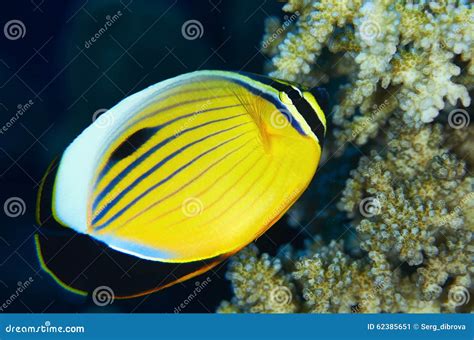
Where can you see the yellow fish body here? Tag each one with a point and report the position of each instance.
(180, 175)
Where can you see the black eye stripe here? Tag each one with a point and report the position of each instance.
(310, 116)
(293, 94)
(301, 104)
(305, 109)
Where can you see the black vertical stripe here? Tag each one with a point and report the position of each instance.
(309, 114)
(301, 104)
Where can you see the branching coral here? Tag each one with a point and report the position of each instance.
(407, 244)
(417, 182)
(401, 51)
(333, 282)
(259, 285)
(422, 203)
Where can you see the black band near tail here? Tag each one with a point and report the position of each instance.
(82, 264)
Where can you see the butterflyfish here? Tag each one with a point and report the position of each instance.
(176, 178)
